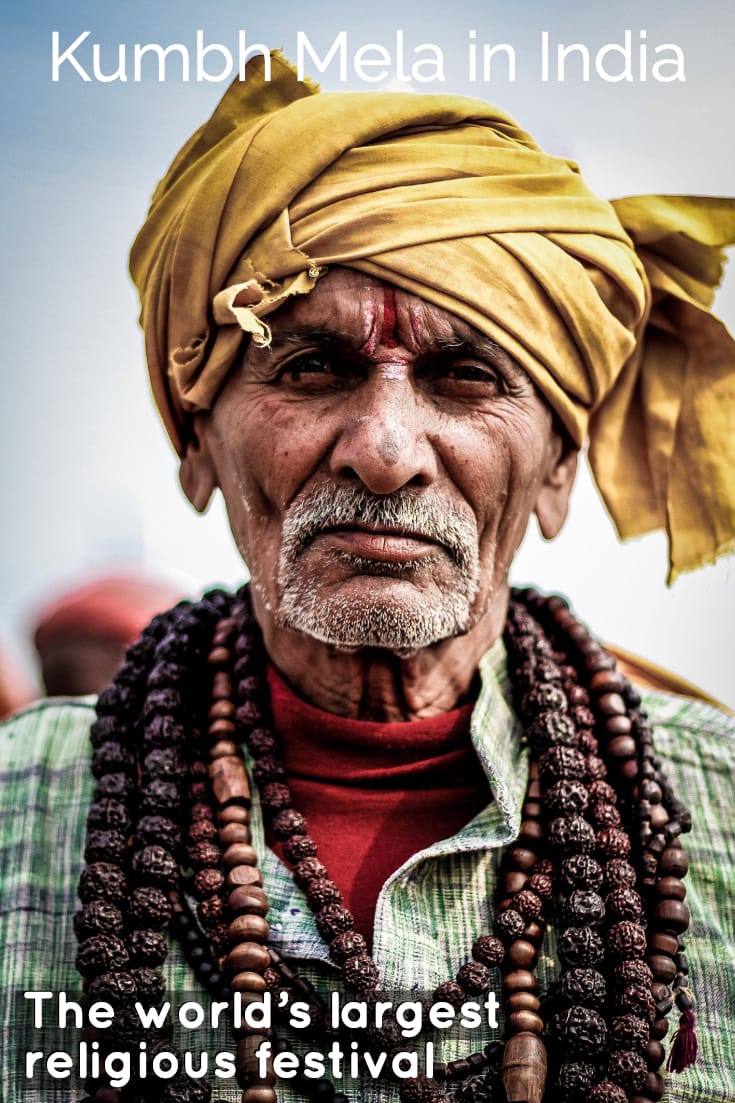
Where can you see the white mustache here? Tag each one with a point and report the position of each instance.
(423, 515)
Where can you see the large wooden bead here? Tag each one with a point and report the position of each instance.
(244, 875)
(673, 915)
(525, 1020)
(248, 956)
(660, 1029)
(520, 980)
(234, 833)
(531, 831)
(674, 862)
(523, 1001)
(595, 658)
(512, 882)
(524, 1068)
(534, 932)
(650, 790)
(521, 857)
(224, 748)
(219, 656)
(222, 710)
(259, 1095)
(662, 967)
(659, 817)
(654, 1054)
(246, 928)
(229, 780)
(222, 729)
(248, 981)
(522, 954)
(618, 725)
(248, 900)
(224, 631)
(233, 813)
(611, 704)
(664, 943)
(622, 747)
(629, 769)
(240, 854)
(653, 1086)
(671, 887)
(607, 681)
(221, 685)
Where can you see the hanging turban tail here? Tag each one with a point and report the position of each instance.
(605, 305)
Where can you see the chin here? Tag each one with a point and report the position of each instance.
(389, 615)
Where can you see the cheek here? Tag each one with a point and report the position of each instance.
(496, 462)
(266, 449)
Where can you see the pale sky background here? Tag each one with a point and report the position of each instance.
(88, 478)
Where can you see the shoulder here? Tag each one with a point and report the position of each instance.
(693, 735)
(695, 743)
(53, 728)
(648, 675)
(45, 792)
(45, 780)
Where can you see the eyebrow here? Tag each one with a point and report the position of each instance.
(482, 347)
(327, 336)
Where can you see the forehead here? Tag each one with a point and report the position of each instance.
(358, 307)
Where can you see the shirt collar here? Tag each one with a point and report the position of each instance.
(497, 738)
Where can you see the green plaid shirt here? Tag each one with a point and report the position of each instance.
(428, 912)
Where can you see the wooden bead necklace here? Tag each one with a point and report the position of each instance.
(595, 831)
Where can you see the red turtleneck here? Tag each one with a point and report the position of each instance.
(374, 794)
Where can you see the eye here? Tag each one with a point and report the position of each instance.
(473, 373)
(319, 371)
(465, 377)
(305, 366)
(308, 373)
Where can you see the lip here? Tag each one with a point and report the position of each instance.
(380, 544)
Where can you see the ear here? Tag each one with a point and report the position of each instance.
(552, 503)
(197, 471)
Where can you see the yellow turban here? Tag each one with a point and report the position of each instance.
(604, 304)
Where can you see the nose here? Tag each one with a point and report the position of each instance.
(383, 441)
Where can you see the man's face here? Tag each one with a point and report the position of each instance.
(379, 462)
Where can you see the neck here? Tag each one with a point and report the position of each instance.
(371, 684)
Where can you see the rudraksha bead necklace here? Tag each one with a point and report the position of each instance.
(616, 872)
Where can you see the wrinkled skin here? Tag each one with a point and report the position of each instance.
(368, 387)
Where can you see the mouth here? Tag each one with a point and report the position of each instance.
(379, 542)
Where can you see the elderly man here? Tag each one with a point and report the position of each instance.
(376, 787)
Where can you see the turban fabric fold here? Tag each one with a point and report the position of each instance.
(605, 305)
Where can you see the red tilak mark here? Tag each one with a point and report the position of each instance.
(389, 334)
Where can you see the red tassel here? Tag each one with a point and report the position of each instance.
(684, 1045)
